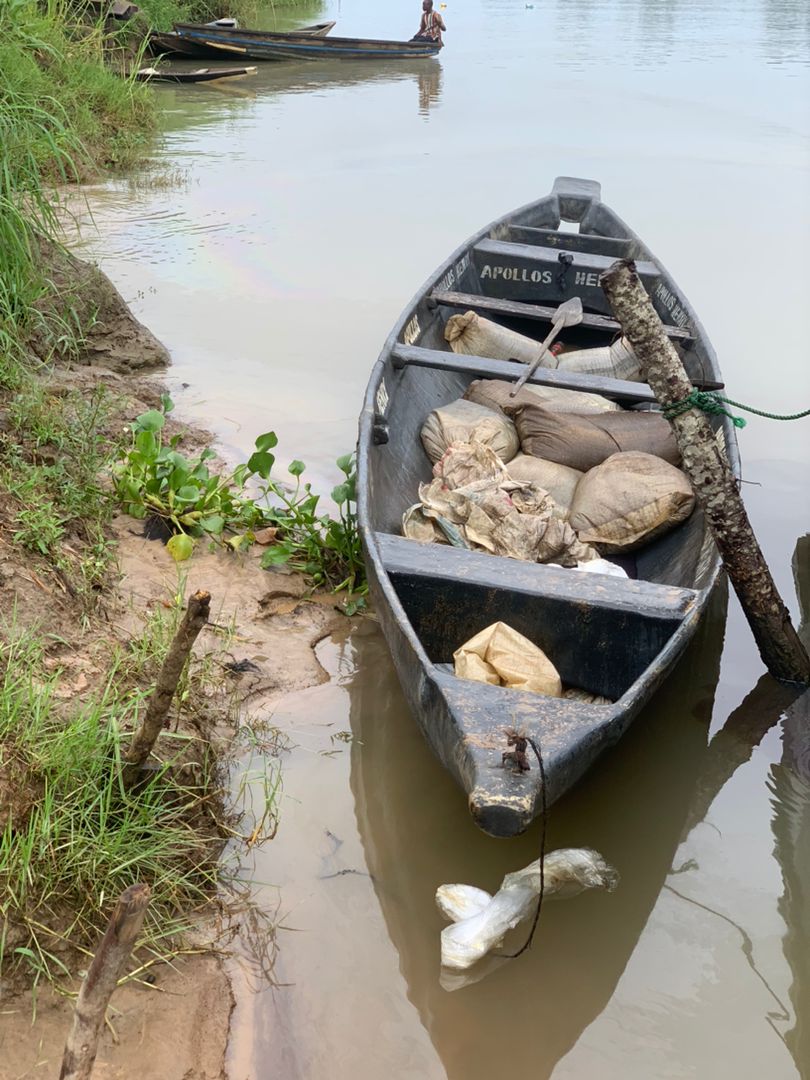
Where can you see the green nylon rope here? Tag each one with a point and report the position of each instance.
(714, 403)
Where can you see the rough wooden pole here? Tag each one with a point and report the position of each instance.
(195, 618)
(714, 484)
(100, 981)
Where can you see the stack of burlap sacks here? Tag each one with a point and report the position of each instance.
(549, 475)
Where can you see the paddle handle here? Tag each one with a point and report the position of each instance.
(535, 364)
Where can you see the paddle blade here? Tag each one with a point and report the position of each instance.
(569, 313)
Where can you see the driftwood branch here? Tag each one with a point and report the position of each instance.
(100, 981)
(714, 484)
(195, 618)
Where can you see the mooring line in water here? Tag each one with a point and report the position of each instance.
(748, 953)
(543, 822)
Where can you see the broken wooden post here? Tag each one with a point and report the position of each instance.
(714, 484)
(100, 981)
(195, 618)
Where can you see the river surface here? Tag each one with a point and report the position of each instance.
(287, 222)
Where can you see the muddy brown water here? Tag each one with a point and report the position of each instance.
(311, 203)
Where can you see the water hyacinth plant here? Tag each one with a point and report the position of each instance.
(191, 500)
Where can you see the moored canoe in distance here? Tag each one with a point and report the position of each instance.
(263, 45)
(201, 75)
(161, 43)
(615, 637)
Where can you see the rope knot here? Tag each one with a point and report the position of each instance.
(708, 402)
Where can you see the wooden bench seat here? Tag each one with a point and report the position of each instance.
(408, 559)
(493, 305)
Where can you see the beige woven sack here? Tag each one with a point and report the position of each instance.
(472, 335)
(496, 394)
(558, 480)
(465, 422)
(628, 500)
(501, 656)
(616, 361)
(583, 441)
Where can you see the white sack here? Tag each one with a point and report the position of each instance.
(567, 872)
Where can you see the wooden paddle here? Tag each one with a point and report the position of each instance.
(567, 314)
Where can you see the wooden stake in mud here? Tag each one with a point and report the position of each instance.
(712, 480)
(145, 737)
(100, 981)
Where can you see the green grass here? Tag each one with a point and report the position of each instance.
(72, 838)
(52, 455)
(161, 14)
(65, 858)
(63, 114)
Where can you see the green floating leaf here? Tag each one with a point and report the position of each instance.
(188, 493)
(345, 462)
(276, 556)
(340, 494)
(146, 443)
(266, 441)
(180, 547)
(296, 467)
(150, 421)
(261, 462)
(213, 524)
(166, 403)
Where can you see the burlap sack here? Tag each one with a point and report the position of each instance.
(501, 656)
(628, 500)
(473, 503)
(465, 422)
(496, 394)
(472, 335)
(581, 442)
(558, 480)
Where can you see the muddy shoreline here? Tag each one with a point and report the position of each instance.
(175, 1023)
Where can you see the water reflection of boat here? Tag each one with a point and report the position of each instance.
(160, 43)
(617, 639)
(268, 45)
(281, 79)
(525, 1016)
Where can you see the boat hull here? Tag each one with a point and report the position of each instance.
(614, 637)
(162, 44)
(258, 45)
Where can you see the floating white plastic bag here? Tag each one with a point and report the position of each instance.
(481, 920)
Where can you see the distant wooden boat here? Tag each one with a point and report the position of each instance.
(617, 638)
(161, 43)
(201, 75)
(264, 45)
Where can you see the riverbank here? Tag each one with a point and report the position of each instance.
(90, 607)
(93, 645)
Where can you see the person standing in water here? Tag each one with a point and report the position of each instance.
(431, 26)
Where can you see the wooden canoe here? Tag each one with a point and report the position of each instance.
(614, 637)
(161, 43)
(263, 45)
(201, 75)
